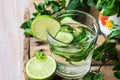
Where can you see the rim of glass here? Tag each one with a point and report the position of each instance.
(95, 25)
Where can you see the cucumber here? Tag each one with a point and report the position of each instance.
(64, 37)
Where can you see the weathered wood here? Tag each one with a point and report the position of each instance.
(26, 55)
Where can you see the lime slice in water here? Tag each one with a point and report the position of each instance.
(40, 69)
(40, 24)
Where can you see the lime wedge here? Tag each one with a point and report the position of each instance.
(41, 68)
(64, 37)
(43, 22)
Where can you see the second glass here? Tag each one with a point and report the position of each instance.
(73, 58)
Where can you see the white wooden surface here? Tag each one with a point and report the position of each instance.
(11, 39)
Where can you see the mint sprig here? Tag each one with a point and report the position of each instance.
(40, 55)
(107, 51)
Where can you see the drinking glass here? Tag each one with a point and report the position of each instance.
(74, 59)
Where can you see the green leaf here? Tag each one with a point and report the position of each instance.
(117, 75)
(39, 54)
(111, 50)
(91, 2)
(118, 14)
(41, 6)
(89, 76)
(35, 14)
(46, 2)
(45, 12)
(110, 4)
(116, 67)
(26, 24)
(102, 58)
(55, 6)
(100, 4)
(93, 76)
(114, 34)
(109, 12)
(98, 52)
(78, 5)
(27, 32)
(63, 3)
(98, 76)
(36, 7)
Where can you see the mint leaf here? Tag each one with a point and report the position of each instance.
(39, 54)
(26, 26)
(111, 51)
(116, 67)
(41, 6)
(117, 75)
(109, 12)
(55, 6)
(93, 76)
(63, 3)
(98, 76)
(98, 52)
(36, 7)
(46, 2)
(91, 2)
(41, 10)
(27, 32)
(78, 5)
(114, 34)
(89, 76)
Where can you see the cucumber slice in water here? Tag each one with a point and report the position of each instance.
(64, 37)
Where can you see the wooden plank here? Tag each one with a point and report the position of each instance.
(26, 55)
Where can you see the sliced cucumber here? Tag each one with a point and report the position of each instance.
(68, 20)
(64, 37)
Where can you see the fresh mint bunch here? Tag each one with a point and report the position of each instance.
(109, 7)
(106, 52)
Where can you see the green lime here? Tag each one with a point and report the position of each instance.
(41, 68)
(43, 22)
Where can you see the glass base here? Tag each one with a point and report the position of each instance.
(73, 71)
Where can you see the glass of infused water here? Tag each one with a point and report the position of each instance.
(73, 45)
